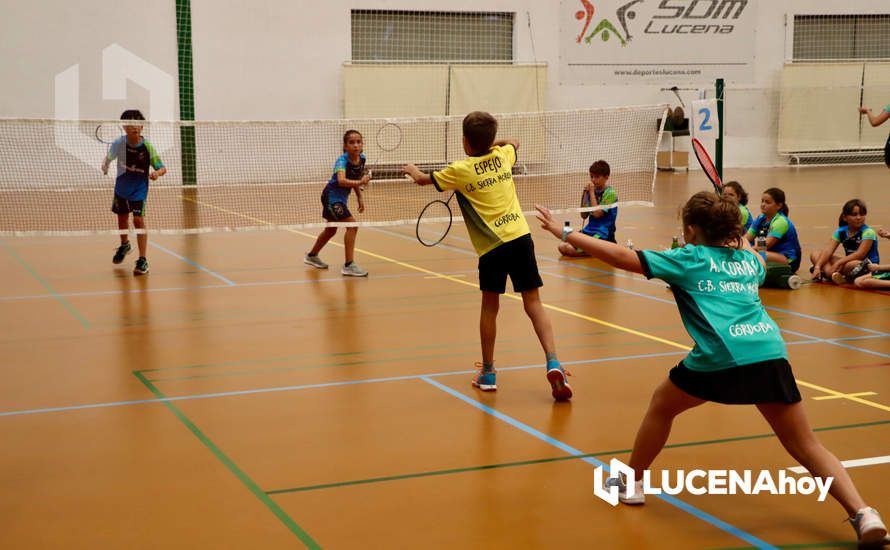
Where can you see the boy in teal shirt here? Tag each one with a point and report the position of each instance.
(134, 157)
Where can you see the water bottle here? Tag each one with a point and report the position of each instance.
(675, 242)
(629, 244)
(760, 242)
(566, 229)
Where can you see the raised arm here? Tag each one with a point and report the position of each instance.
(609, 252)
(502, 142)
(415, 174)
(875, 119)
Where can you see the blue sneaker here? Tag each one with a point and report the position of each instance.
(485, 380)
(556, 375)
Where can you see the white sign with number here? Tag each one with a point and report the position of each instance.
(704, 120)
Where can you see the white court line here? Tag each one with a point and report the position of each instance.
(850, 463)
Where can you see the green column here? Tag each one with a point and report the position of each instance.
(719, 147)
(186, 90)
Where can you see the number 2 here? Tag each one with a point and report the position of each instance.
(706, 118)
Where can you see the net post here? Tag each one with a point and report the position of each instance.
(719, 145)
(186, 91)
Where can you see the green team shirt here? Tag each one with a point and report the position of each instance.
(716, 289)
(487, 197)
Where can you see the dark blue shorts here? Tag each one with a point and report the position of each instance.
(333, 211)
(120, 205)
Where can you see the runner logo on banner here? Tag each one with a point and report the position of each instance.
(647, 41)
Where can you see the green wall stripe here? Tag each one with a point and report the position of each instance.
(186, 90)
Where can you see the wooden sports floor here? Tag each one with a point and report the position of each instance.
(236, 398)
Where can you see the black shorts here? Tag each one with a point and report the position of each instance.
(333, 211)
(120, 205)
(515, 258)
(764, 382)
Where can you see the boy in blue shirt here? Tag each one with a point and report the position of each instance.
(600, 223)
(135, 156)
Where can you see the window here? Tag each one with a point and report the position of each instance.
(431, 36)
(841, 37)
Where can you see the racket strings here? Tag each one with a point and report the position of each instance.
(434, 223)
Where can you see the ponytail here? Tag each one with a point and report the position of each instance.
(716, 217)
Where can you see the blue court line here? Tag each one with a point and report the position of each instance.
(623, 275)
(609, 287)
(771, 308)
(813, 339)
(838, 323)
(670, 499)
(323, 385)
(870, 337)
(194, 264)
(52, 292)
(835, 342)
(205, 287)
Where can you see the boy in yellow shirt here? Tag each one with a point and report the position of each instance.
(500, 234)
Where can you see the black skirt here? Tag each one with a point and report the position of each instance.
(765, 382)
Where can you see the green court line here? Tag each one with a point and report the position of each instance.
(450, 345)
(874, 310)
(371, 361)
(71, 309)
(551, 459)
(232, 467)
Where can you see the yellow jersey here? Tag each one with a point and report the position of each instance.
(487, 197)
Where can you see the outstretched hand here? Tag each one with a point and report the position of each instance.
(547, 222)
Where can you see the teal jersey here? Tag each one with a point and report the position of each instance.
(716, 292)
(747, 218)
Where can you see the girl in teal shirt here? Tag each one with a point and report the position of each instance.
(739, 356)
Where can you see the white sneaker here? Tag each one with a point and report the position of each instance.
(314, 261)
(353, 270)
(869, 528)
(639, 497)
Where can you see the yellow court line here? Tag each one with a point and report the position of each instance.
(843, 395)
(833, 393)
